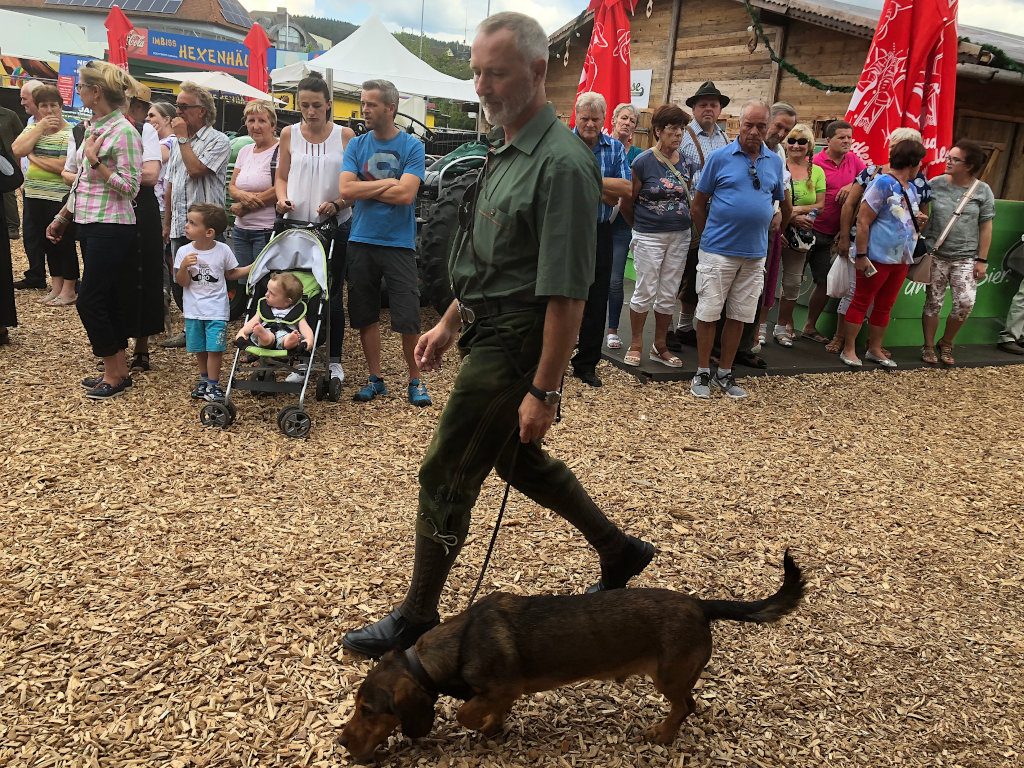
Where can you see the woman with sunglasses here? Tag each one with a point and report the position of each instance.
(100, 206)
(962, 258)
(807, 185)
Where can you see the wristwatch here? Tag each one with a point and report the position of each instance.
(184, 139)
(548, 398)
(95, 165)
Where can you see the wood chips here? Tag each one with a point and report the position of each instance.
(175, 596)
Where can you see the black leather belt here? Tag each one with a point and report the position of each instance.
(471, 312)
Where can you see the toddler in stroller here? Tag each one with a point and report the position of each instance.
(280, 319)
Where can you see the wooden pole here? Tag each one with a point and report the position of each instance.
(780, 48)
(670, 55)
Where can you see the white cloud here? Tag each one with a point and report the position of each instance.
(1002, 15)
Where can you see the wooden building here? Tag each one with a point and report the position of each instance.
(685, 42)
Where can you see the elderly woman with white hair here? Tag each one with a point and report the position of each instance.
(848, 219)
(252, 183)
(624, 121)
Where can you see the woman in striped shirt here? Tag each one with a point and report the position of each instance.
(45, 144)
(100, 204)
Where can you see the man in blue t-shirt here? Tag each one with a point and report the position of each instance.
(380, 175)
(740, 183)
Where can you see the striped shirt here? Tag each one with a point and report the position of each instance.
(213, 149)
(708, 143)
(41, 184)
(120, 148)
(611, 159)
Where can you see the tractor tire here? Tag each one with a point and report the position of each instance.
(436, 238)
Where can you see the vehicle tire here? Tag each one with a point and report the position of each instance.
(435, 243)
(237, 298)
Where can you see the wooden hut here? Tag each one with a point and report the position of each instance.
(685, 42)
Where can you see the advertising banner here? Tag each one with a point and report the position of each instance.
(191, 52)
(67, 79)
(640, 88)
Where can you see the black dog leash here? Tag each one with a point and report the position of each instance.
(497, 523)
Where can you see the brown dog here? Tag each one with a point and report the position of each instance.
(506, 646)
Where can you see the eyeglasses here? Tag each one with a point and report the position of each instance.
(80, 86)
(753, 177)
(183, 107)
(801, 142)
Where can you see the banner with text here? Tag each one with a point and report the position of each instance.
(191, 52)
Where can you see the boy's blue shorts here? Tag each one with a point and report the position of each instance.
(205, 335)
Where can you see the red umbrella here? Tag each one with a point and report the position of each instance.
(606, 68)
(909, 80)
(257, 42)
(118, 27)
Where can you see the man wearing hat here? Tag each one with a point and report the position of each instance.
(701, 137)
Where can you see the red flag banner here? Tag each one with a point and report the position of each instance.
(257, 42)
(118, 27)
(909, 80)
(606, 67)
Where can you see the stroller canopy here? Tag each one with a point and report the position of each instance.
(291, 249)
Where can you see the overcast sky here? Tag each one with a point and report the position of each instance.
(450, 19)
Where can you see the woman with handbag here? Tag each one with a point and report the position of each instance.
(807, 184)
(887, 235)
(959, 234)
(660, 211)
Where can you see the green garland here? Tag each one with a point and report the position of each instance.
(803, 77)
(1000, 59)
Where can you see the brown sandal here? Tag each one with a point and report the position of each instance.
(836, 345)
(945, 353)
(928, 355)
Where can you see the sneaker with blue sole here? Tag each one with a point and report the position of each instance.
(374, 387)
(418, 394)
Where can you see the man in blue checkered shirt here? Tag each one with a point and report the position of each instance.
(616, 183)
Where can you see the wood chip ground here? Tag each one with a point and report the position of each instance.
(174, 596)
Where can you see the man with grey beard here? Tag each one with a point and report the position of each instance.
(521, 268)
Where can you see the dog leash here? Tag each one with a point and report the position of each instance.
(497, 522)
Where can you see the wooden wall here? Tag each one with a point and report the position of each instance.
(831, 57)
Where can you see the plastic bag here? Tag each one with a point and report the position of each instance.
(838, 283)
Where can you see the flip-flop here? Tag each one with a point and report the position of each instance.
(671, 361)
(632, 357)
(814, 336)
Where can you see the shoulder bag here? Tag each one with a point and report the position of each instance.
(921, 271)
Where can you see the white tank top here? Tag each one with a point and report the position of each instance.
(314, 174)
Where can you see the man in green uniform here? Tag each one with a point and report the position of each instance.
(522, 268)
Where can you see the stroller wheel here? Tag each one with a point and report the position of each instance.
(321, 387)
(217, 415)
(334, 389)
(293, 421)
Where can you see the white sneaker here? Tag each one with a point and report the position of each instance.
(337, 372)
(298, 376)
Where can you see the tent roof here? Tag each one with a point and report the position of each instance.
(35, 37)
(373, 47)
(214, 81)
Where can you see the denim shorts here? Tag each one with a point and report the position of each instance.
(205, 335)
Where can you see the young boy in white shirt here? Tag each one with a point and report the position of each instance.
(202, 269)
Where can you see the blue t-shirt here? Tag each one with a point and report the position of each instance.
(663, 204)
(739, 212)
(370, 159)
(892, 235)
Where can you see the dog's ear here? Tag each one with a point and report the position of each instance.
(414, 707)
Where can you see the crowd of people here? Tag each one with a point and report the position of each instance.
(720, 231)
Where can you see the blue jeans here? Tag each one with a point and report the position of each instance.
(622, 234)
(249, 243)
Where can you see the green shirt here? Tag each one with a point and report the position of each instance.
(41, 184)
(535, 224)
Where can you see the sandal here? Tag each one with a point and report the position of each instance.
(928, 355)
(140, 362)
(632, 356)
(613, 341)
(783, 336)
(671, 361)
(836, 345)
(814, 336)
(945, 353)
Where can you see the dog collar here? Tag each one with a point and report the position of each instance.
(419, 674)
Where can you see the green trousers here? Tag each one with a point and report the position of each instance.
(479, 430)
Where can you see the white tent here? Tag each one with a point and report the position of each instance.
(371, 52)
(218, 81)
(33, 37)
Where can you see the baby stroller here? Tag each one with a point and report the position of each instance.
(304, 249)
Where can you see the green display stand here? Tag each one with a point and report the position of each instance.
(994, 293)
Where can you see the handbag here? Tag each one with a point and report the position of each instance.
(799, 240)
(920, 246)
(921, 271)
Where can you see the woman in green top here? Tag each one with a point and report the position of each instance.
(45, 144)
(807, 183)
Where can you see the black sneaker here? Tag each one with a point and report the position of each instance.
(105, 390)
(213, 394)
(33, 285)
(91, 382)
(199, 390)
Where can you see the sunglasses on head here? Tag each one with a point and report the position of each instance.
(801, 142)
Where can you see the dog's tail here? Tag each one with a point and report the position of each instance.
(761, 611)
